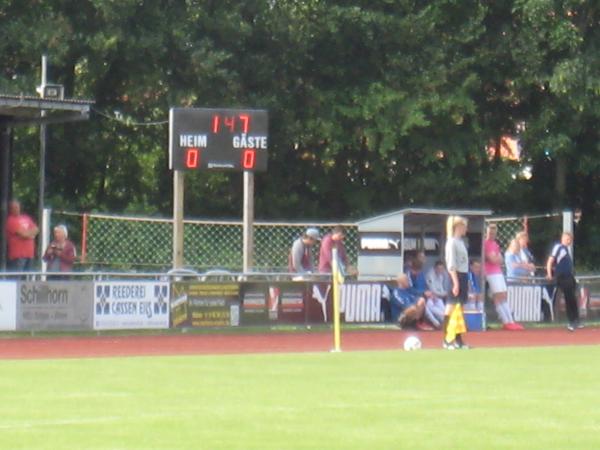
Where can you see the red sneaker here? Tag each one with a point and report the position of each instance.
(518, 326)
(510, 327)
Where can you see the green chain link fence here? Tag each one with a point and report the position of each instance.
(543, 231)
(143, 243)
(138, 243)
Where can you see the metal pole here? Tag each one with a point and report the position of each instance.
(335, 287)
(5, 187)
(178, 193)
(248, 221)
(84, 228)
(42, 174)
(45, 235)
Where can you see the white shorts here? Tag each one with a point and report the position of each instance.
(496, 283)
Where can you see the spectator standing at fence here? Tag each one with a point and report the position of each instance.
(457, 262)
(475, 302)
(515, 266)
(526, 255)
(21, 231)
(495, 279)
(300, 259)
(332, 240)
(60, 254)
(560, 268)
(438, 283)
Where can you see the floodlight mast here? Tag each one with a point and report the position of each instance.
(42, 174)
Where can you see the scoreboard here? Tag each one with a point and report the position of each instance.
(218, 139)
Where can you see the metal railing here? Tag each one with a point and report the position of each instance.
(172, 275)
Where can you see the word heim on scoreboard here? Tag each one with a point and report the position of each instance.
(218, 139)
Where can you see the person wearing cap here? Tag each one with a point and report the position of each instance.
(300, 259)
(60, 254)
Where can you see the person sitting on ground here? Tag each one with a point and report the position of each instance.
(515, 266)
(475, 301)
(407, 308)
(438, 283)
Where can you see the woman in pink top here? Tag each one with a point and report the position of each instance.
(495, 279)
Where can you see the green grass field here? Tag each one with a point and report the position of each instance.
(542, 398)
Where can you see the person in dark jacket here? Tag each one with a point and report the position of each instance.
(61, 253)
(560, 268)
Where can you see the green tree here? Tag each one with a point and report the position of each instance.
(374, 105)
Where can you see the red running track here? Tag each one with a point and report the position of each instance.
(192, 344)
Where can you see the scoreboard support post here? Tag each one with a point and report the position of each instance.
(178, 193)
(248, 220)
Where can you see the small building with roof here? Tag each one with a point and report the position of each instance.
(388, 241)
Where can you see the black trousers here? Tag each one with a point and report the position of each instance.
(567, 284)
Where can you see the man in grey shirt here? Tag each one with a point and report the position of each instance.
(438, 283)
(300, 259)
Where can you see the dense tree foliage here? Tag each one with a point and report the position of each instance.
(374, 105)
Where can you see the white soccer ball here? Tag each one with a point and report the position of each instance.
(412, 343)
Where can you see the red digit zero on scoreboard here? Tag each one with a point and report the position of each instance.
(192, 158)
(218, 139)
(249, 159)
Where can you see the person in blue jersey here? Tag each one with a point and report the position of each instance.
(416, 276)
(406, 305)
(559, 268)
(475, 299)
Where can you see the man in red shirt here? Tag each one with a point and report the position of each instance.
(21, 231)
(331, 240)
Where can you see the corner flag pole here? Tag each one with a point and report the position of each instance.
(337, 280)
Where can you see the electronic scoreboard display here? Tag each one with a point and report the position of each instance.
(218, 139)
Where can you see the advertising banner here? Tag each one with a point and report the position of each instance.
(361, 302)
(290, 299)
(8, 305)
(55, 305)
(254, 304)
(131, 305)
(195, 304)
(525, 302)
